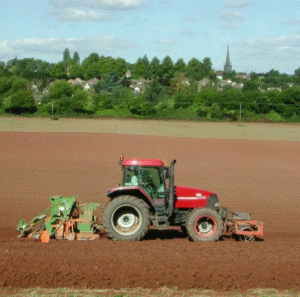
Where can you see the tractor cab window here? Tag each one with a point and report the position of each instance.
(152, 182)
(131, 177)
(149, 178)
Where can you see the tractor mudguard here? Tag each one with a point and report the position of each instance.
(129, 190)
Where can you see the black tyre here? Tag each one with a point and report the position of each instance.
(126, 218)
(204, 224)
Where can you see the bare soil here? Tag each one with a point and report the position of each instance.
(256, 176)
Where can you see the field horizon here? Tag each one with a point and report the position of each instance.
(170, 128)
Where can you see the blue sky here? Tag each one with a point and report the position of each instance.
(262, 34)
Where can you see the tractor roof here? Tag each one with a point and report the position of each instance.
(143, 162)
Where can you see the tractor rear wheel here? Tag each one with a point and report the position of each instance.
(126, 218)
(204, 224)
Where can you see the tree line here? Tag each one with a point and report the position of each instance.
(171, 90)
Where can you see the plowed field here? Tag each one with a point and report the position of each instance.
(255, 176)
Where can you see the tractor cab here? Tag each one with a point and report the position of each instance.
(150, 175)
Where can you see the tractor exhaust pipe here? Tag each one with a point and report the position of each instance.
(171, 189)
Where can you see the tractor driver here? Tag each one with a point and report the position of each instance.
(153, 182)
(132, 176)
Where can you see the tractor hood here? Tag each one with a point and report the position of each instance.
(186, 197)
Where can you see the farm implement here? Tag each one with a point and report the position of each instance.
(65, 219)
(147, 196)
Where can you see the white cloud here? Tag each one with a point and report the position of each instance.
(111, 5)
(136, 21)
(278, 53)
(164, 50)
(51, 26)
(190, 17)
(236, 3)
(55, 46)
(231, 16)
(77, 15)
(264, 43)
(165, 41)
(295, 22)
(3, 45)
(229, 26)
(188, 32)
(165, 45)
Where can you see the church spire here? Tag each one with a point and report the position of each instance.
(228, 65)
(227, 56)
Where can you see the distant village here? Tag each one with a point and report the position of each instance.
(138, 86)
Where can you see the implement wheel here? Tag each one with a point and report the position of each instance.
(126, 218)
(204, 224)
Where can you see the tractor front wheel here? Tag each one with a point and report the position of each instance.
(204, 224)
(126, 218)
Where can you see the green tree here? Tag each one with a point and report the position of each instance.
(94, 57)
(180, 66)
(141, 68)
(12, 62)
(75, 71)
(250, 85)
(5, 85)
(147, 64)
(195, 70)
(107, 83)
(255, 101)
(155, 92)
(290, 96)
(4, 72)
(76, 58)
(297, 72)
(92, 71)
(121, 96)
(207, 95)
(89, 66)
(140, 106)
(273, 78)
(229, 100)
(11, 85)
(79, 99)
(103, 101)
(60, 89)
(22, 102)
(107, 65)
(230, 75)
(26, 68)
(183, 99)
(154, 68)
(60, 94)
(120, 67)
(178, 83)
(59, 71)
(207, 64)
(167, 68)
(66, 55)
(274, 98)
(253, 75)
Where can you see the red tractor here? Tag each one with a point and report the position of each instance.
(148, 196)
